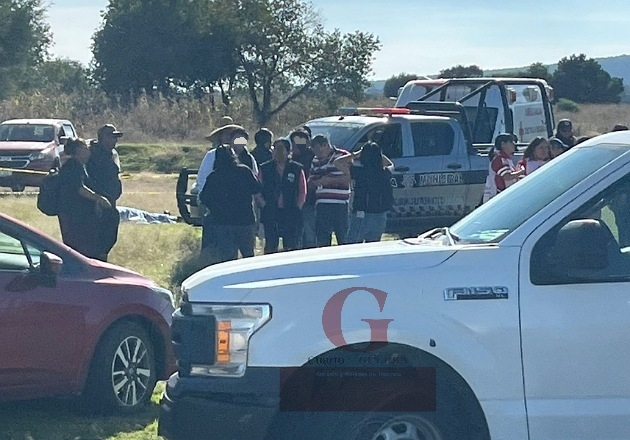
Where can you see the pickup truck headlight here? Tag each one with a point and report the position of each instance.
(233, 327)
(42, 155)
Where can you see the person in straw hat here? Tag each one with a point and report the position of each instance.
(219, 136)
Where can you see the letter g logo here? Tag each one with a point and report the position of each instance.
(331, 319)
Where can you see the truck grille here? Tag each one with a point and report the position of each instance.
(14, 162)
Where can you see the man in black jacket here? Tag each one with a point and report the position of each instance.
(104, 179)
(284, 193)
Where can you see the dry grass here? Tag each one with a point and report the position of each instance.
(593, 119)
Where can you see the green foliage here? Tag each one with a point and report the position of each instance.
(461, 71)
(159, 158)
(566, 105)
(535, 70)
(273, 50)
(583, 80)
(172, 48)
(24, 41)
(390, 89)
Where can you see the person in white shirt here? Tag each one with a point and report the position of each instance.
(220, 136)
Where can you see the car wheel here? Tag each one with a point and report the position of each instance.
(123, 370)
(404, 427)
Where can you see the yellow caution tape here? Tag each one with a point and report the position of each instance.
(19, 170)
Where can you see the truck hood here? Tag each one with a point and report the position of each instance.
(233, 280)
(17, 147)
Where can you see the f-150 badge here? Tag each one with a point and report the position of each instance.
(457, 293)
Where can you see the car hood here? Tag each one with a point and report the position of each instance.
(16, 147)
(124, 275)
(233, 280)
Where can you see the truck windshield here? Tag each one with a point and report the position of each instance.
(495, 219)
(338, 133)
(27, 132)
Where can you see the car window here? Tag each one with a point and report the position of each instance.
(12, 255)
(494, 220)
(27, 132)
(432, 138)
(389, 137)
(591, 245)
(68, 131)
(338, 133)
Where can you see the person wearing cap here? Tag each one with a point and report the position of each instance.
(262, 150)
(502, 172)
(103, 172)
(564, 132)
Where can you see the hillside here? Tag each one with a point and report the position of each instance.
(617, 66)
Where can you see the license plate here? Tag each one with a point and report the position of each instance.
(5, 173)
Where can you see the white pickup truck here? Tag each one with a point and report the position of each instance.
(512, 324)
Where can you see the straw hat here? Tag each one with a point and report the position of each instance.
(219, 131)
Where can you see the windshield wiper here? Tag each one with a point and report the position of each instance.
(452, 238)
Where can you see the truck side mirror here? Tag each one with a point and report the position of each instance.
(575, 253)
(50, 266)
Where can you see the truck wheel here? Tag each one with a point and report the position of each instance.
(123, 370)
(403, 427)
(451, 411)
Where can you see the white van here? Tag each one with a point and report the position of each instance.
(487, 100)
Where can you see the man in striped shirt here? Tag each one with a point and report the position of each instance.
(332, 191)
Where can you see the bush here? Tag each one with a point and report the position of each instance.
(566, 105)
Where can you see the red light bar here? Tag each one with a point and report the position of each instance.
(349, 111)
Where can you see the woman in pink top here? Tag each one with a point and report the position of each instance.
(535, 155)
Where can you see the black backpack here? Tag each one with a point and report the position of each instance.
(49, 197)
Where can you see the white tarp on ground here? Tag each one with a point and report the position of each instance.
(139, 216)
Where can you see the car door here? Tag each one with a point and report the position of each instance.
(40, 326)
(575, 318)
(432, 191)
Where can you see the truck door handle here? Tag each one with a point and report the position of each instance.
(401, 168)
(454, 166)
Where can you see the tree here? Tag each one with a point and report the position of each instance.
(396, 82)
(583, 80)
(24, 40)
(283, 52)
(535, 70)
(460, 71)
(159, 46)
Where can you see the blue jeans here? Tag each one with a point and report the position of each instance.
(368, 228)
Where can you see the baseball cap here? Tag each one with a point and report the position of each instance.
(108, 129)
(564, 123)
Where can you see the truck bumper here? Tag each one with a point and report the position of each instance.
(220, 408)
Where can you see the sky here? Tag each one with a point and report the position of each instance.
(424, 37)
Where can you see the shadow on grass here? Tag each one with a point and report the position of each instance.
(61, 419)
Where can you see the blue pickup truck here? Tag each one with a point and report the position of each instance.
(439, 147)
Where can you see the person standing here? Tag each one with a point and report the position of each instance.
(103, 172)
(228, 195)
(332, 192)
(373, 192)
(220, 136)
(502, 172)
(535, 155)
(302, 153)
(262, 150)
(284, 193)
(564, 132)
(80, 207)
(240, 149)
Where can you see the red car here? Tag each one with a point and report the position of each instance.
(70, 325)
